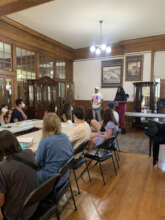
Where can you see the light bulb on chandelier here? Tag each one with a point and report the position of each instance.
(101, 47)
(98, 51)
(92, 49)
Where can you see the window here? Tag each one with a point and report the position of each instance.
(46, 67)
(61, 70)
(5, 57)
(25, 67)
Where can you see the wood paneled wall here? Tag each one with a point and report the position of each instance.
(153, 43)
(27, 38)
(87, 104)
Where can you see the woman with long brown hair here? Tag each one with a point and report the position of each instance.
(54, 150)
(108, 128)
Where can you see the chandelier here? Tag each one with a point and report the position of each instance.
(101, 47)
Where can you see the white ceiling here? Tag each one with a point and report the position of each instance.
(75, 22)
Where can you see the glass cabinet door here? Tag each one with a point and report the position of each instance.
(38, 93)
(54, 94)
(61, 90)
(45, 94)
(49, 94)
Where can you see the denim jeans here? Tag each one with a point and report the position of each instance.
(97, 114)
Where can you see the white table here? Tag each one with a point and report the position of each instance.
(145, 115)
(37, 135)
(22, 126)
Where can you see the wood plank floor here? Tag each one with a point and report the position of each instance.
(136, 193)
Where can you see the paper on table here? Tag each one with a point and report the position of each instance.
(25, 140)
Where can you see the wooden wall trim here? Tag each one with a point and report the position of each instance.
(152, 43)
(35, 33)
(84, 53)
(23, 36)
(11, 6)
(87, 104)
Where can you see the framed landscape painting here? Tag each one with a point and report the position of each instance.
(134, 68)
(112, 73)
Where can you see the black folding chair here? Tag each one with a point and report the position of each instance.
(111, 145)
(78, 162)
(117, 142)
(151, 130)
(62, 189)
(46, 207)
(100, 154)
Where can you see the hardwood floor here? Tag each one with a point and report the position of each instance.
(137, 193)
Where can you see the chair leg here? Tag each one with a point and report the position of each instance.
(118, 154)
(75, 177)
(117, 158)
(101, 171)
(88, 171)
(72, 195)
(114, 165)
(150, 146)
(57, 215)
(118, 145)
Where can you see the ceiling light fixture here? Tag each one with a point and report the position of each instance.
(101, 47)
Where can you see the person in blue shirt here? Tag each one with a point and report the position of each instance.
(18, 113)
(54, 150)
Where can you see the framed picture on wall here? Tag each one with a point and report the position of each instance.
(134, 68)
(112, 73)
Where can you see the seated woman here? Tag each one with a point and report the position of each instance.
(54, 150)
(67, 113)
(2, 117)
(8, 116)
(81, 130)
(52, 108)
(17, 179)
(105, 130)
(5, 108)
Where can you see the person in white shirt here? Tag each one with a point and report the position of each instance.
(81, 131)
(2, 115)
(112, 106)
(96, 104)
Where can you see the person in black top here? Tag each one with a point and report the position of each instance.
(121, 95)
(17, 179)
(67, 112)
(18, 113)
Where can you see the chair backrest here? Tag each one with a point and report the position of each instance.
(68, 164)
(107, 143)
(152, 128)
(81, 147)
(117, 133)
(41, 192)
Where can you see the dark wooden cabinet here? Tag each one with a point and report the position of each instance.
(44, 91)
(40, 94)
(145, 97)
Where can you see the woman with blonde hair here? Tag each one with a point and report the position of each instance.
(54, 150)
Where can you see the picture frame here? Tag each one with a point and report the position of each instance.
(112, 73)
(134, 68)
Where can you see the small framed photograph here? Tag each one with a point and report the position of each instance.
(112, 73)
(134, 68)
